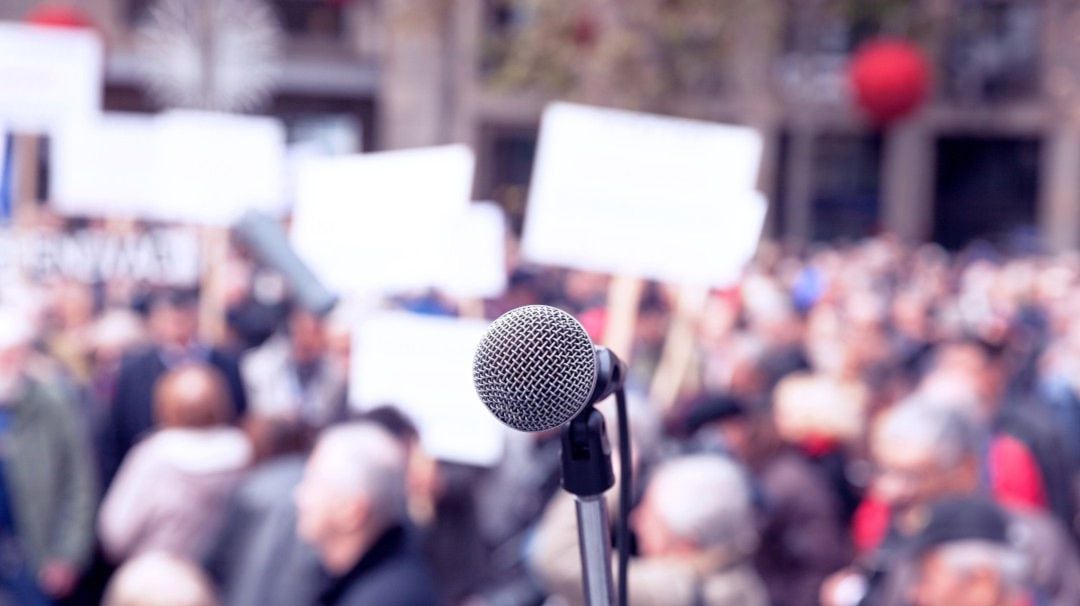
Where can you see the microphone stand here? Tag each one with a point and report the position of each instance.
(587, 474)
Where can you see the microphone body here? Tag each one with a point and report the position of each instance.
(537, 369)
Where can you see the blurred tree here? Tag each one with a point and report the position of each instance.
(634, 52)
(219, 55)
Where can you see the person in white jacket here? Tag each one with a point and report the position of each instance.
(173, 487)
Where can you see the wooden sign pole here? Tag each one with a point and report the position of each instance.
(678, 354)
(215, 249)
(623, 299)
(26, 192)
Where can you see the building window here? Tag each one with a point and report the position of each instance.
(505, 168)
(300, 19)
(992, 52)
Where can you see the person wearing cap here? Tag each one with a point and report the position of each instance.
(47, 482)
(965, 557)
(173, 324)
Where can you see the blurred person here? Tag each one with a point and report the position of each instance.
(582, 290)
(965, 558)
(522, 288)
(770, 315)
(47, 483)
(696, 537)
(173, 326)
(292, 377)
(112, 334)
(1027, 462)
(650, 331)
(802, 530)
(510, 499)
(160, 579)
(442, 504)
(173, 487)
(352, 510)
(824, 417)
(69, 319)
(1058, 386)
(254, 302)
(257, 559)
(925, 454)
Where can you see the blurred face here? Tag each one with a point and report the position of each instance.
(969, 361)
(11, 370)
(908, 478)
(324, 509)
(308, 337)
(655, 538)
(174, 326)
(74, 305)
(736, 436)
(941, 585)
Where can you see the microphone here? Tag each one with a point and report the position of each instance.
(536, 368)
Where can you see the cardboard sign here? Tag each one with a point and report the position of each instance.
(180, 166)
(640, 195)
(423, 365)
(51, 77)
(379, 223)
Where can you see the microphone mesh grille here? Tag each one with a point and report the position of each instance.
(535, 368)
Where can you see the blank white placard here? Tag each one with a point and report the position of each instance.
(635, 194)
(211, 167)
(473, 261)
(376, 223)
(180, 166)
(104, 166)
(51, 76)
(423, 365)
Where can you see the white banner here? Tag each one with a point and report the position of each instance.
(388, 222)
(161, 256)
(51, 76)
(423, 365)
(641, 195)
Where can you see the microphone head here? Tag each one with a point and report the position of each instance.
(535, 368)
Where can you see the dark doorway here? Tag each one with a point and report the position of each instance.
(847, 175)
(986, 188)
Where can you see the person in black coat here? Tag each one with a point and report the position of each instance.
(351, 508)
(173, 323)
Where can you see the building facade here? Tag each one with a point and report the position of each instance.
(993, 152)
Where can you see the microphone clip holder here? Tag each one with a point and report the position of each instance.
(587, 474)
(586, 455)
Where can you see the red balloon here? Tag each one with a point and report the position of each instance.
(58, 15)
(890, 78)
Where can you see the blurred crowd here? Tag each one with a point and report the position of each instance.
(866, 423)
